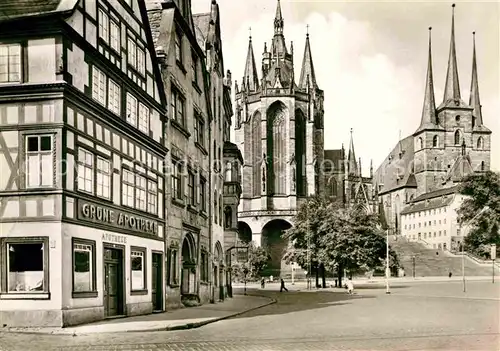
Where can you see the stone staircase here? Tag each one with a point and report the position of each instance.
(432, 262)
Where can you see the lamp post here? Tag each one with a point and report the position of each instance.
(493, 255)
(387, 269)
(245, 272)
(413, 258)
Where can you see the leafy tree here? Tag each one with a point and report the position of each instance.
(339, 238)
(481, 211)
(258, 258)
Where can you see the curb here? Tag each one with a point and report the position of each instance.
(168, 328)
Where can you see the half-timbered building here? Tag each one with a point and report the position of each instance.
(82, 153)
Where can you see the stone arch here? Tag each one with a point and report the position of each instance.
(300, 151)
(273, 242)
(256, 145)
(244, 232)
(188, 273)
(276, 117)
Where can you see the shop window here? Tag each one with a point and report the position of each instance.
(84, 268)
(138, 269)
(40, 161)
(25, 265)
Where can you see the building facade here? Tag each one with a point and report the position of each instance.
(279, 130)
(344, 182)
(82, 222)
(451, 142)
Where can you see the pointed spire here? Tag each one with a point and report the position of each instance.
(452, 87)
(360, 169)
(474, 101)
(307, 74)
(429, 108)
(278, 20)
(251, 76)
(352, 166)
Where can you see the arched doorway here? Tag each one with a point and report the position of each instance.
(188, 274)
(244, 232)
(219, 272)
(274, 243)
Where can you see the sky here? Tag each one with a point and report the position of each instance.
(370, 59)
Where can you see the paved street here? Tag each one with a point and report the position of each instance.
(420, 316)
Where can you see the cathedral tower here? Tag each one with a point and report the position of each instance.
(279, 128)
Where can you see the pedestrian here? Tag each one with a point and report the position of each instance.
(262, 283)
(283, 286)
(449, 275)
(350, 287)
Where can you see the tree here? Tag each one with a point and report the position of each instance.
(481, 191)
(339, 238)
(256, 263)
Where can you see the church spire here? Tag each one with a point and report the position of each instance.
(429, 108)
(352, 165)
(278, 20)
(251, 76)
(307, 68)
(452, 87)
(474, 88)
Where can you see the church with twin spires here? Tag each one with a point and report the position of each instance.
(416, 185)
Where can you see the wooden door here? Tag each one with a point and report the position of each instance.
(113, 283)
(156, 282)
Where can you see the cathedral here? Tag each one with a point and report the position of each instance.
(416, 184)
(279, 129)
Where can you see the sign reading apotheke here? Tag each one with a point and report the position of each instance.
(100, 214)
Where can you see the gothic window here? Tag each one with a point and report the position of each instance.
(279, 152)
(221, 205)
(215, 206)
(228, 217)
(353, 191)
(420, 143)
(263, 179)
(480, 143)
(482, 166)
(333, 187)
(473, 122)
(435, 141)
(228, 172)
(457, 137)
(300, 150)
(256, 153)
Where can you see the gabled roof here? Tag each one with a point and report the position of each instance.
(461, 168)
(201, 22)
(14, 9)
(396, 172)
(436, 193)
(427, 205)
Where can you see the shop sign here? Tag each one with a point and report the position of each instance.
(95, 213)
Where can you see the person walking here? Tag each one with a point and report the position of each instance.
(283, 286)
(262, 283)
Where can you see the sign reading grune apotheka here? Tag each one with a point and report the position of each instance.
(120, 219)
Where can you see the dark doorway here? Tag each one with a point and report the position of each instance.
(156, 281)
(274, 243)
(113, 282)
